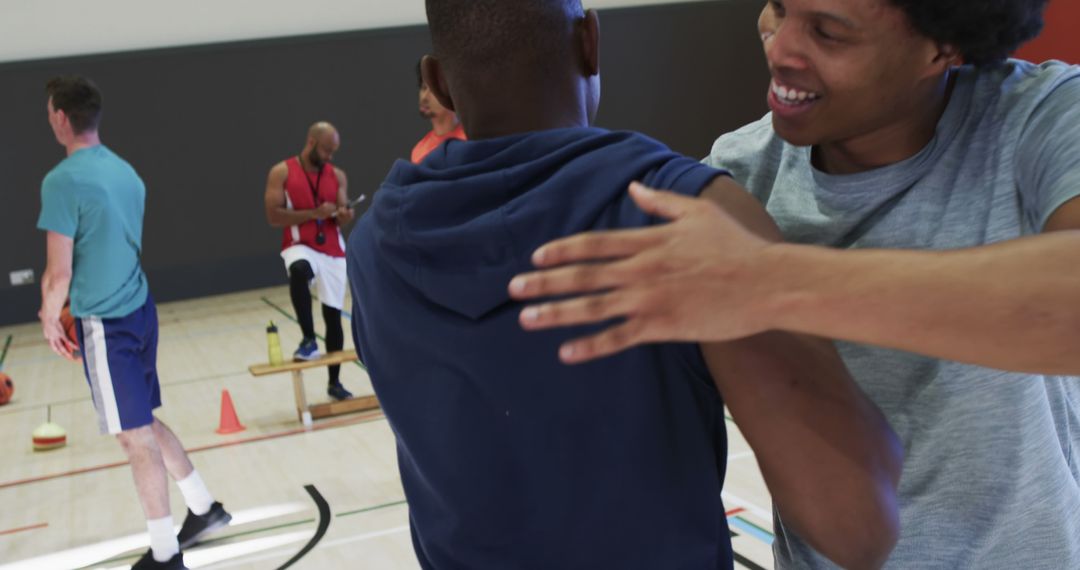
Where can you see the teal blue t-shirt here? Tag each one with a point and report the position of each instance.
(96, 198)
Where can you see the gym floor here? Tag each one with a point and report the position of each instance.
(328, 497)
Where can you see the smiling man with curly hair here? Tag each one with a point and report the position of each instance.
(931, 187)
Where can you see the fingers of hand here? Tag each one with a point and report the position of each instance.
(59, 347)
(606, 343)
(582, 310)
(662, 203)
(597, 246)
(589, 278)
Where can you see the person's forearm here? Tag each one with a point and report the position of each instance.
(1012, 306)
(283, 217)
(828, 456)
(54, 291)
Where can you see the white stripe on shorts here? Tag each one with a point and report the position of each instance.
(101, 384)
(294, 231)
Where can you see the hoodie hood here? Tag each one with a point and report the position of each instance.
(460, 225)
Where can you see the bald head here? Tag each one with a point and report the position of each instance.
(322, 142)
(321, 129)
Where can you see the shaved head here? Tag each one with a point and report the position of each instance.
(320, 130)
(491, 36)
(322, 142)
(508, 66)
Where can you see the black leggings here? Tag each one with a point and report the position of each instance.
(300, 276)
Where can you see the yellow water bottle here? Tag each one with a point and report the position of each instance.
(273, 344)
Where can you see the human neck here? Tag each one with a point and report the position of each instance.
(305, 162)
(81, 141)
(491, 115)
(443, 124)
(893, 143)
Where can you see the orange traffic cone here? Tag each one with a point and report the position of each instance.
(229, 422)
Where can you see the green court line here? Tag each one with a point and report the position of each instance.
(289, 316)
(369, 509)
(3, 356)
(766, 531)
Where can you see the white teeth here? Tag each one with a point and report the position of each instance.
(792, 95)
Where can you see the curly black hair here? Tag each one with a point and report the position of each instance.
(985, 32)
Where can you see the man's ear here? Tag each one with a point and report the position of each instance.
(432, 72)
(947, 56)
(589, 37)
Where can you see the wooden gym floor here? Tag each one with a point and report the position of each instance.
(75, 507)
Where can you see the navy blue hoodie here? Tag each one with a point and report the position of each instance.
(510, 459)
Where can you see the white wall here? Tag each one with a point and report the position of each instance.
(35, 29)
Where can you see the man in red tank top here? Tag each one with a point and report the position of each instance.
(306, 197)
(444, 122)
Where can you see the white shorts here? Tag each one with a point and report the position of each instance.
(330, 275)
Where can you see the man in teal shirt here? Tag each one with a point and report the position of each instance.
(92, 207)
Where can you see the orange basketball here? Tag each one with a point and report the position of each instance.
(68, 322)
(7, 388)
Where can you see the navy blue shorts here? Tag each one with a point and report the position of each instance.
(120, 361)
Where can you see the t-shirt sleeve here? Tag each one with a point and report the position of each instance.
(1048, 153)
(59, 207)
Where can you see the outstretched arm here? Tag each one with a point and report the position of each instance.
(703, 277)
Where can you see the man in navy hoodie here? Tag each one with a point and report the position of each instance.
(510, 459)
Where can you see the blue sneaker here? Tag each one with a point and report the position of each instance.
(338, 392)
(309, 350)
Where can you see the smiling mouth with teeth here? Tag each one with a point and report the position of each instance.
(792, 96)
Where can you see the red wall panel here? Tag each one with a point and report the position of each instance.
(1059, 38)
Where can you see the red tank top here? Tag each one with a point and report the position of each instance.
(301, 187)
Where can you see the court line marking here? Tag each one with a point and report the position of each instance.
(320, 532)
(229, 538)
(752, 529)
(7, 345)
(88, 398)
(730, 499)
(745, 562)
(23, 528)
(364, 418)
(357, 538)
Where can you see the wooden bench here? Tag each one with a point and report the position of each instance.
(303, 410)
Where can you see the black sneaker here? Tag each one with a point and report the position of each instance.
(338, 392)
(197, 526)
(147, 562)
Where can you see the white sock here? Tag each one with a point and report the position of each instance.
(196, 495)
(163, 542)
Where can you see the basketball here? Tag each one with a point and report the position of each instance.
(68, 322)
(7, 388)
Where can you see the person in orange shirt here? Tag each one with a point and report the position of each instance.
(444, 122)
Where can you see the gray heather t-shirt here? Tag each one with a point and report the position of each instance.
(991, 478)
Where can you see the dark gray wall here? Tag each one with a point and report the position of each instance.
(203, 126)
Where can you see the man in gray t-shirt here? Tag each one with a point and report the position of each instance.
(946, 196)
(992, 470)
